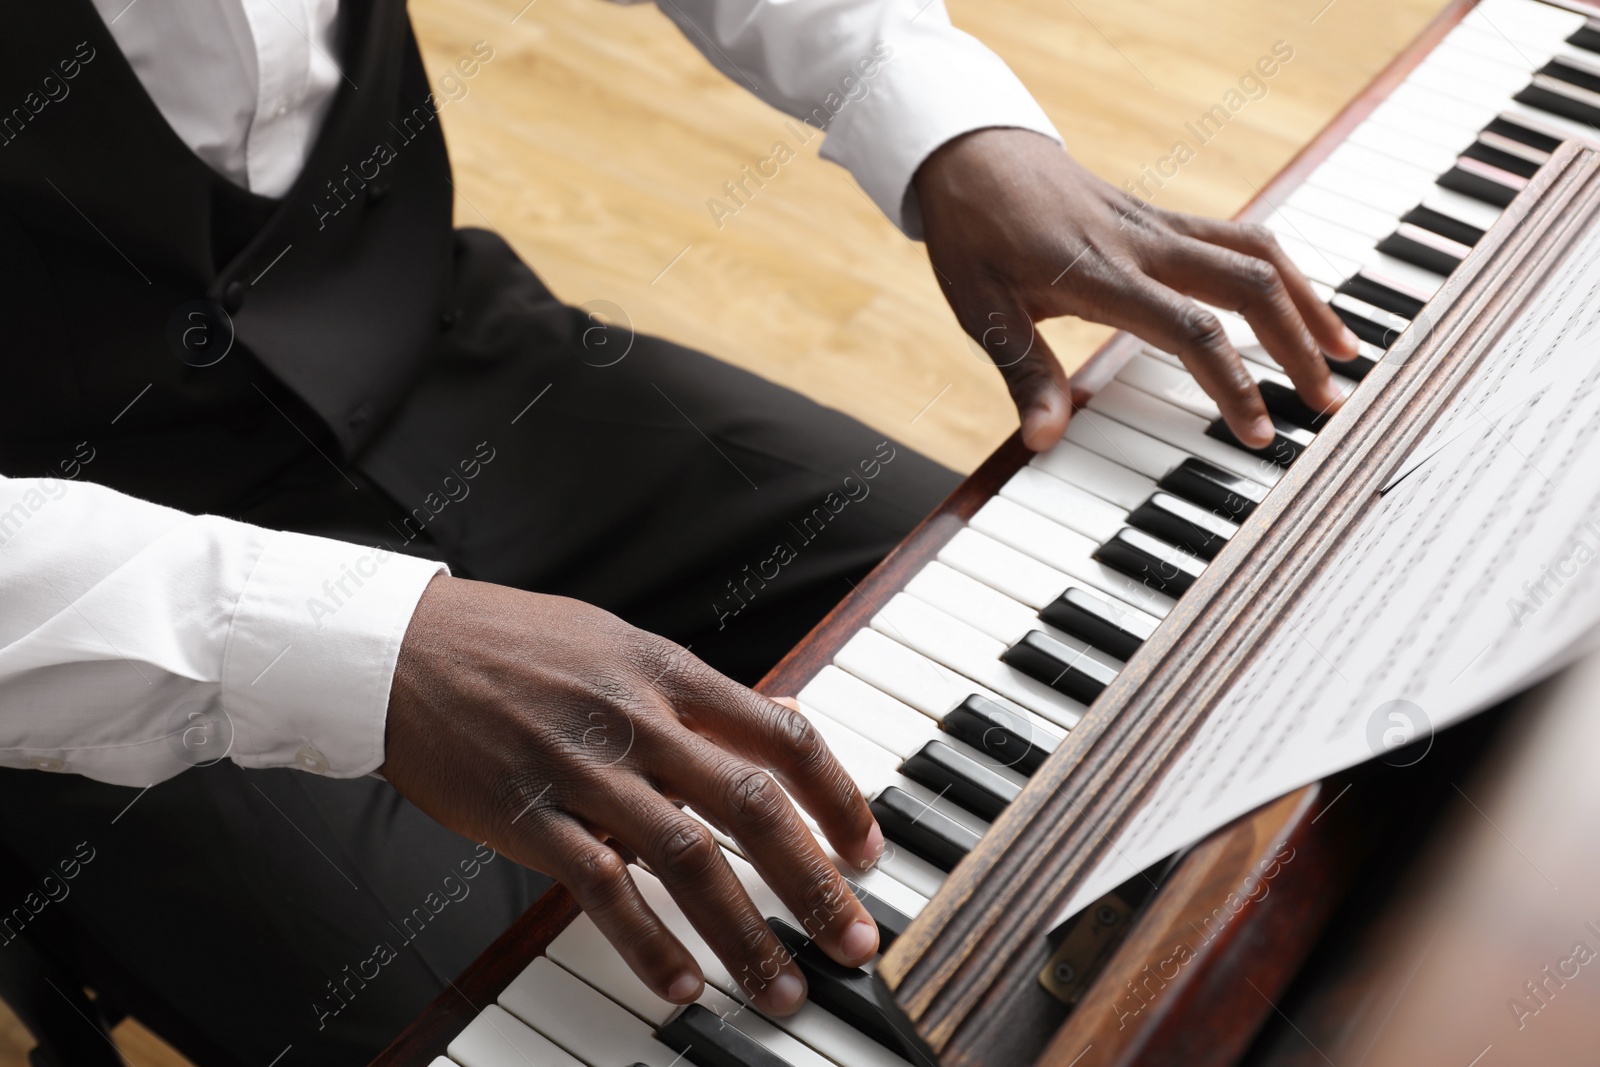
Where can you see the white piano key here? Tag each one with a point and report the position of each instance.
(1315, 263)
(1460, 207)
(958, 646)
(1181, 430)
(1065, 503)
(885, 720)
(1524, 21)
(1309, 202)
(1402, 276)
(1491, 88)
(999, 566)
(496, 1038)
(983, 608)
(1122, 444)
(911, 677)
(1257, 371)
(1104, 478)
(1170, 383)
(1440, 137)
(582, 1020)
(1402, 144)
(1456, 113)
(1367, 188)
(440, 1061)
(582, 949)
(1064, 550)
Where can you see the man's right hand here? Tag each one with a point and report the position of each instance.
(559, 734)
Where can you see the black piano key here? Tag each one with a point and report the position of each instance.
(1571, 74)
(1586, 37)
(892, 922)
(1094, 620)
(1288, 441)
(1008, 737)
(1155, 563)
(1063, 668)
(706, 1041)
(1478, 186)
(922, 829)
(1423, 253)
(1181, 523)
(847, 992)
(962, 779)
(1359, 367)
(1373, 325)
(1212, 488)
(1443, 225)
(1285, 403)
(1495, 157)
(1568, 106)
(1379, 295)
(1516, 131)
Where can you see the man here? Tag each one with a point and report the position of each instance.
(234, 292)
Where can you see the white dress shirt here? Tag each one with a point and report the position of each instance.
(136, 640)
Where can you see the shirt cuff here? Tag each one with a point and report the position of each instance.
(311, 653)
(937, 84)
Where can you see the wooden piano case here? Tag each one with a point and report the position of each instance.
(967, 973)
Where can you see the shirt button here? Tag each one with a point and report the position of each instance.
(46, 763)
(309, 759)
(283, 109)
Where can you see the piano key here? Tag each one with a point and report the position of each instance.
(1430, 221)
(704, 1041)
(581, 1019)
(1178, 428)
(1455, 114)
(1404, 277)
(1122, 444)
(1214, 489)
(1462, 208)
(874, 714)
(1285, 403)
(1003, 568)
(925, 830)
(1009, 738)
(975, 655)
(1574, 71)
(1371, 324)
(1402, 144)
(584, 951)
(496, 1038)
(1327, 236)
(1587, 37)
(1064, 550)
(1173, 384)
(1475, 178)
(1366, 187)
(1334, 206)
(1487, 90)
(1099, 621)
(1371, 291)
(1147, 559)
(1288, 440)
(1069, 669)
(1180, 523)
(1318, 265)
(1104, 478)
(1507, 154)
(1556, 126)
(1424, 247)
(1524, 22)
(908, 676)
(985, 609)
(1262, 369)
(1519, 138)
(890, 920)
(1561, 98)
(1063, 502)
(846, 992)
(979, 787)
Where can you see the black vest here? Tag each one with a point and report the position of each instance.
(127, 262)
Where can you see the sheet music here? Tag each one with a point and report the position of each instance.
(1476, 575)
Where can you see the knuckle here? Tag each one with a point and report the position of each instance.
(1203, 330)
(687, 851)
(1258, 236)
(1260, 276)
(598, 874)
(823, 899)
(754, 797)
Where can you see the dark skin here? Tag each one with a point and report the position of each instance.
(569, 740)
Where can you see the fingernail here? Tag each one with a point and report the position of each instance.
(1262, 430)
(1352, 343)
(785, 994)
(874, 851)
(683, 988)
(859, 942)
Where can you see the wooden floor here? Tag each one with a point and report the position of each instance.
(595, 135)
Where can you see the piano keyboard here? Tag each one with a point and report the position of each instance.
(966, 680)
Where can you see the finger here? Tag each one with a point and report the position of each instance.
(597, 877)
(773, 736)
(1254, 288)
(750, 804)
(683, 854)
(1038, 385)
(1330, 332)
(1176, 324)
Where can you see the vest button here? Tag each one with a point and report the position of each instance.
(233, 297)
(376, 192)
(447, 319)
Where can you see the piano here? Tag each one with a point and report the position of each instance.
(1013, 663)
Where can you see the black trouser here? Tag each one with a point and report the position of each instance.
(248, 911)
